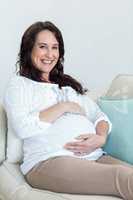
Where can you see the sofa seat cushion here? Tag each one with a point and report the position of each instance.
(13, 185)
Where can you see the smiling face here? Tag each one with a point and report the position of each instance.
(45, 53)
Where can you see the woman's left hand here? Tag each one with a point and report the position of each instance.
(85, 144)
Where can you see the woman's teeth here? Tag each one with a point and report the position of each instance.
(47, 61)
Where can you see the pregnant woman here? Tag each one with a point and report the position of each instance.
(63, 131)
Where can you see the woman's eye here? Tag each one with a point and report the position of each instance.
(46, 47)
(41, 47)
(55, 47)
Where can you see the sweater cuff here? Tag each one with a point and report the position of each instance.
(41, 124)
(105, 119)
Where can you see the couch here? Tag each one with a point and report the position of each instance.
(12, 183)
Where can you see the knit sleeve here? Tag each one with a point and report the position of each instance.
(94, 113)
(17, 103)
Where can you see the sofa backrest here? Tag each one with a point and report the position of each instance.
(3, 131)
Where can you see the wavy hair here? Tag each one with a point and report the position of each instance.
(26, 67)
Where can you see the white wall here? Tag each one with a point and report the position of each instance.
(98, 36)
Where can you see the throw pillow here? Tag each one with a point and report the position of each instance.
(120, 141)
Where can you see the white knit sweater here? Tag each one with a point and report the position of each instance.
(25, 98)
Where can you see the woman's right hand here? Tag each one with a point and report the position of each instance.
(52, 113)
(73, 107)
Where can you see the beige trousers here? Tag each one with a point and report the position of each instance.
(65, 174)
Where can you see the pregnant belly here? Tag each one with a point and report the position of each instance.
(66, 128)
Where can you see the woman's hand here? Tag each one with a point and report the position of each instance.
(85, 144)
(52, 113)
(73, 107)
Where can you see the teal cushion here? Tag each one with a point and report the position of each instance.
(120, 140)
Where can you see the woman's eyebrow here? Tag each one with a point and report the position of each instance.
(44, 43)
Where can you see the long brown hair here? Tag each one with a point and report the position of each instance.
(27, 68)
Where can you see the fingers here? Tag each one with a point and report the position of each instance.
(75, 108)
(74, 144)
(85, 144)
(76, 151)
(84, 136)
(76, 147)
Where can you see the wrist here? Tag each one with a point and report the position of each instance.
(103, 139)
(64, 107)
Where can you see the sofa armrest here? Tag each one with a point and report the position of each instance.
(3, 131)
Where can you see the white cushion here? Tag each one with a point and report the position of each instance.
(14, 147)
(121, 87)
(3, 130)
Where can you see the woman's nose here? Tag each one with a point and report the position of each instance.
(49, 53)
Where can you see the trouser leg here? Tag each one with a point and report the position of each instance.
(73, 175)
(107, 159)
